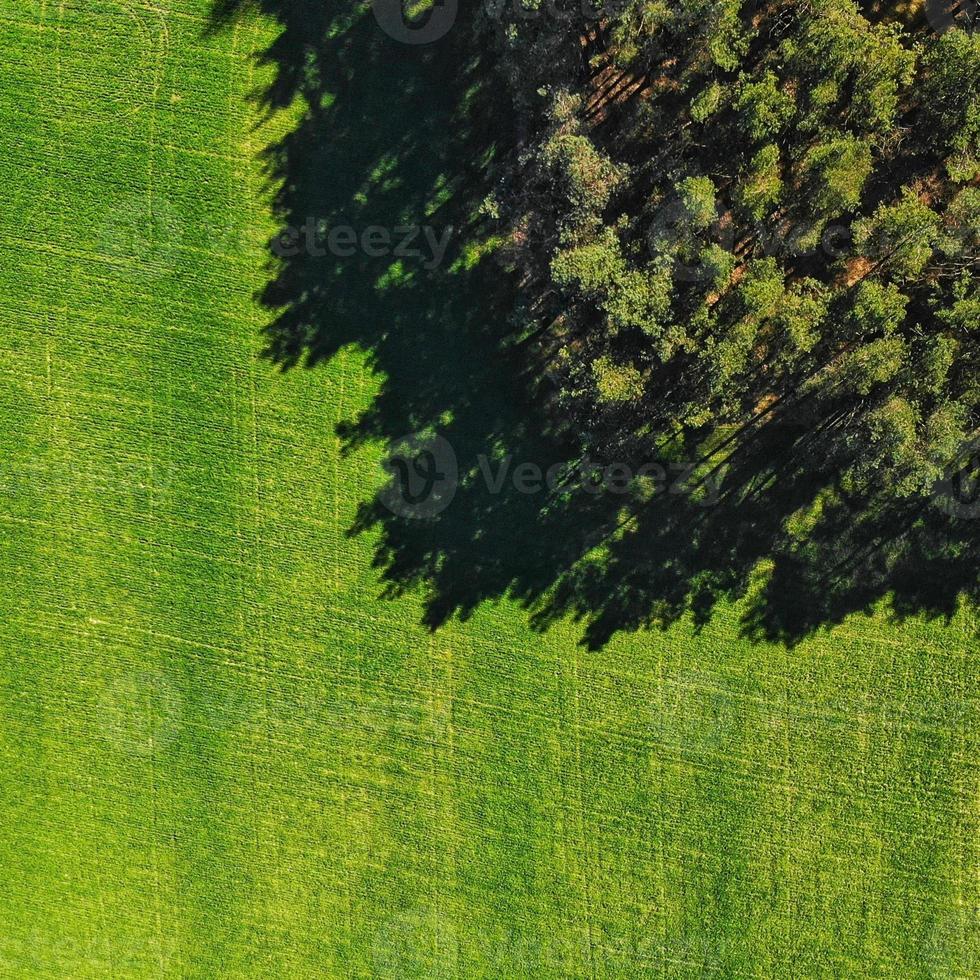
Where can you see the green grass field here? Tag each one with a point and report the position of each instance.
(225, 753)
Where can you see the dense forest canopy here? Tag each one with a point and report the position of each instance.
(731, 216)
(747, 233)
(735, 241)
(733, 208)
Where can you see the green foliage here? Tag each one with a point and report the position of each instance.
(761, 186)
(715, 28)
(640, 298)
(961, 221)
(788, 227)
(878, 309)
(234, 745)
(617, 383)
(765, 108)
(729, 357)
(591, 268)
(834, 174)
(935, 363)
(886, 68)
(962, 314)
(890, 434)
(801, 313)
(872, 365)
(839, 52)
(584, 177)
(707, 102)
(899, 237)
(951, 100)
(761, 290)
(717, 264)
(697, 195)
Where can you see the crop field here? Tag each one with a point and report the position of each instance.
(225, 750)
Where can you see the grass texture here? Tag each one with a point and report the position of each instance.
(224, 753)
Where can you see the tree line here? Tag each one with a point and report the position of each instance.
(731, 217)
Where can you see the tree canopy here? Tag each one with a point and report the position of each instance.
(735, 217)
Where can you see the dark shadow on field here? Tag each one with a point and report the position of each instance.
(393, 135)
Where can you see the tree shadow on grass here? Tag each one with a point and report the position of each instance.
(395, 136)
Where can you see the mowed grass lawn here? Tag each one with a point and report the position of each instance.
(223, 753)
